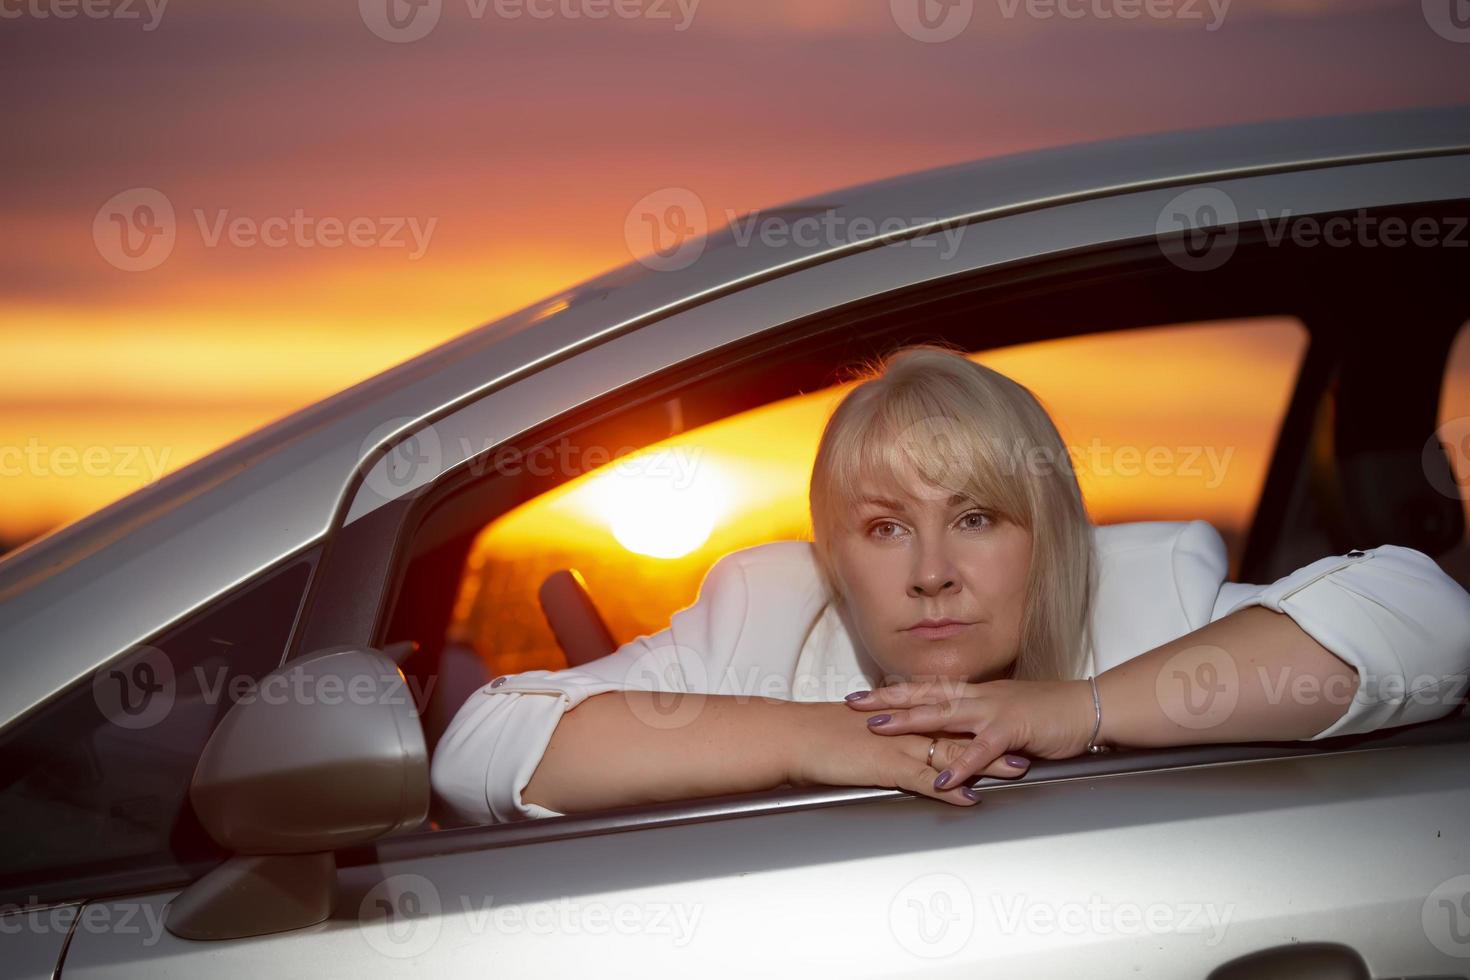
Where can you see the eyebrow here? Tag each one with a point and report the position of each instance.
(890, 504)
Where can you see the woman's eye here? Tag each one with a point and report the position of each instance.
(878, 530)
(976, 520)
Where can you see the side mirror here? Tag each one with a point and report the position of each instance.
(325, 753)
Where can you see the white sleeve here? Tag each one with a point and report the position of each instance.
(494, 743)
(1389, 612)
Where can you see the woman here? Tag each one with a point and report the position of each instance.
(955, 615)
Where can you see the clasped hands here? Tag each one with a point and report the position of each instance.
(1009, 722)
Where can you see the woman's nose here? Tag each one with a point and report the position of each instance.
(931, 587)
(933, 575)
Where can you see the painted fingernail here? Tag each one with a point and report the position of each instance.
(943, 779)
(970, 795)
(1017, 762)
(880, 720)
(857, 695)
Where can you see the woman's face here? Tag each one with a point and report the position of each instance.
(906, 561)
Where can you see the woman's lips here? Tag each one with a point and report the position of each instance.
(938, 632)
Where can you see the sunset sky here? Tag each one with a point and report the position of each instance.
(509, 151)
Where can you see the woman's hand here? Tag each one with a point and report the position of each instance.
(1040, 719)
(831, 745)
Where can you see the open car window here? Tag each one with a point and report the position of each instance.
(1181, 395)
(1165, 423)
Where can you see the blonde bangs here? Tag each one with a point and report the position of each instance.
(911, 443)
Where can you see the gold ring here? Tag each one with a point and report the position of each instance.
(933, 744)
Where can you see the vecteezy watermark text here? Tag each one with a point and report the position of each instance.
(936, 21)
(403, 917)
(1199, 229)
(148, 12)
(669, 229)
(406, 21)
(137, 229)
(141, 690)
(120, 918)
(38, 459)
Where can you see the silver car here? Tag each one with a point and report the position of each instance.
(156, 824)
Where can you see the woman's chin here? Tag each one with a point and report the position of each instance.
(941, 664)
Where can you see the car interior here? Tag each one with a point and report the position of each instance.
(1336, 416)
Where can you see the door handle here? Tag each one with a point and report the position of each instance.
(1303, 961)
(1297, 961)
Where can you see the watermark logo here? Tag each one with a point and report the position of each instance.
(1196, 230)
(401, 916)
(932, 21)
(1450, 19)
(1446, 917)
(936, 448)
(135, 230)
(138, 691)
(1198, 687)
(411, 464)
(400, 21)
(666, 230)
(677, 681)
(933, 916)
(1449, 443)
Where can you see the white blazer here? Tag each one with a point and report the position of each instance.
(762, 626)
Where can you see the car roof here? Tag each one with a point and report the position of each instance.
(144, 561)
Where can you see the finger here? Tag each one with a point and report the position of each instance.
(988, 753)
(945, 716)
(918, 747)
(918, 777)
(949, 755)
(913, 773)
(906, 694)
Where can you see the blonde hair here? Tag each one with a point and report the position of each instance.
(966, 429)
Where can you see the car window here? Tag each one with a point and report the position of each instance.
(1454, 436)
(1168, 423)
(95, 784)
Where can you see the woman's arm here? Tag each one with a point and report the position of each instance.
(1348, 644)
(636, 747)
(1253, 676)
(606, 752)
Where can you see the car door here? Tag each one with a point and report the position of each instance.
(1161, 863)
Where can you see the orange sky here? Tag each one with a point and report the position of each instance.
(525, 143)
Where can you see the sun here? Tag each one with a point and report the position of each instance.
(662, 504)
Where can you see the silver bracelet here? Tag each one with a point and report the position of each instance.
(1092, 745)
